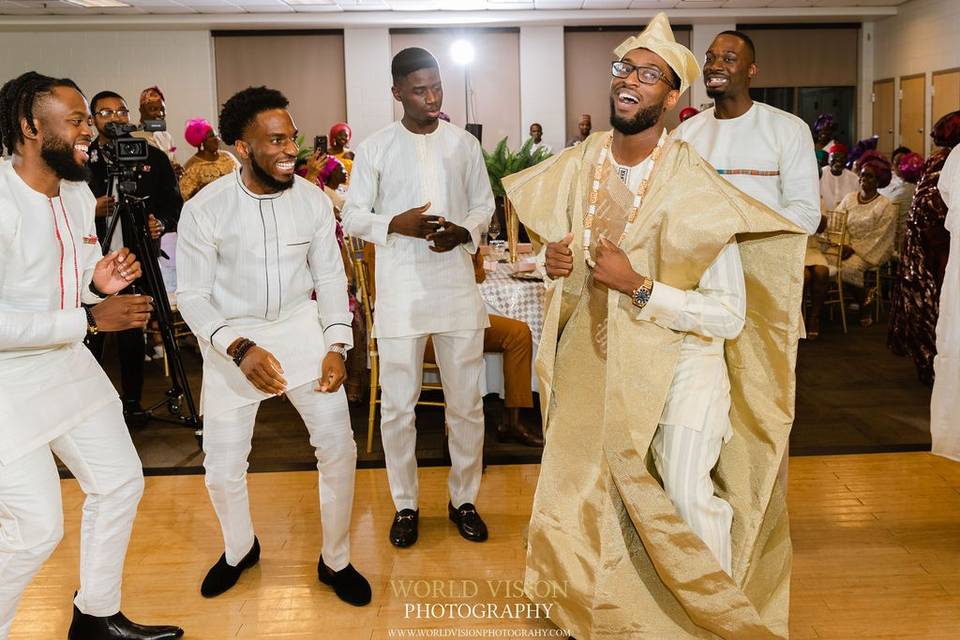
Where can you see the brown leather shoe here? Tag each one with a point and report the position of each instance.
(519, 433)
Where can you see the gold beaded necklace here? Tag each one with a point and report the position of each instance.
(590, 215)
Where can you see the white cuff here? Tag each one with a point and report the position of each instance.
(73, 324)
(338, 333)
(665, 304)
(380, 229)
(222, 337)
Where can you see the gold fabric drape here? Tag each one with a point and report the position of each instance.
(602, 525)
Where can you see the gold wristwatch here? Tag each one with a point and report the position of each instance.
(641, 295)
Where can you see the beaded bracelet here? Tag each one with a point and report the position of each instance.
(242, 349)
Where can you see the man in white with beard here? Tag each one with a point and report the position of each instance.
(54, 397)
(251, 249)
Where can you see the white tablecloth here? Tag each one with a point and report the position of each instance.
(512, 298)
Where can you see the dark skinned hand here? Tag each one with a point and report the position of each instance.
(447, 236)
(263, 371)
(414, 223)
(558, 259)
(120, 313)
(333, 373)
(613, 268)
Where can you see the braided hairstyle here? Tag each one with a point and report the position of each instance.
(241, 109)
(19, 98)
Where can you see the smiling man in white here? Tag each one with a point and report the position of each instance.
(54, 397)
(252, 248)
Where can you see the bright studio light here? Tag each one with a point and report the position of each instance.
(462, 52)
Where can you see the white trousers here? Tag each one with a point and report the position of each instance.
(460, 359)
(684, 458)
(101, 456)
(227, 442)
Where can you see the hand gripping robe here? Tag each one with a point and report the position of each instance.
(606, 544)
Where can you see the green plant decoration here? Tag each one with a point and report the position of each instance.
(502, 162)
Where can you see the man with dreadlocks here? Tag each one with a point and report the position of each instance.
(56, 399)
(252, 247)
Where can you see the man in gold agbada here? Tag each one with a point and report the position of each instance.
(666, 368)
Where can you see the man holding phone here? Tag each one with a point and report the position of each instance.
(419, 190)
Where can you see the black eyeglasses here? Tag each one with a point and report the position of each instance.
(109, 113)
(646, 75)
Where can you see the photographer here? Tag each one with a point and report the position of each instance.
(157, 184)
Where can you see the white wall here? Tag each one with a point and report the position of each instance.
(179, 62)
(367, 57)
(542, 84)
(921, 38)
(866, 71)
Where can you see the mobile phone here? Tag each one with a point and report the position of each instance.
(320, 144)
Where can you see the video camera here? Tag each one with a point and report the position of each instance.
(125, 152)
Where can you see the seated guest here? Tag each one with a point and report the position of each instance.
(836, 181)
(890, 192)
(208, 163)
(871, 221)
(907, 169)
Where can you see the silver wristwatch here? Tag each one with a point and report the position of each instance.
(339, 349)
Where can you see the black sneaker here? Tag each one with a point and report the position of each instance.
(468, 522)
(403, 531)
(348, 584)
(222, 575)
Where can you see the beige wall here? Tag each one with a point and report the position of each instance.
(311, 75)
(180, 62)
(587, 57)
(494, 79)
(921, 38)
(805, 57)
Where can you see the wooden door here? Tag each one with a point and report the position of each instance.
(883, 114)
(912, 129)
(946, 94)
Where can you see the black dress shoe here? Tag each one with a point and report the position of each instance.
(403, 531)
(116, 627)
(468, 521)
(134, 414)
(348, 584)
(222, 576)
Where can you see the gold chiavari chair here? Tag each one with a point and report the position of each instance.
(833, 239)
(361, 256)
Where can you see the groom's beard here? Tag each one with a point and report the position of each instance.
(645, 118)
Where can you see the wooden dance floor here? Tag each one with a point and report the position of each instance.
(876, 541)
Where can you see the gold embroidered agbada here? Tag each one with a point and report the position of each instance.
(602, 526)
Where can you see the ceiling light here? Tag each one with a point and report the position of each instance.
(462, 52)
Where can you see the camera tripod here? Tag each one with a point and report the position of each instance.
(130, 211)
